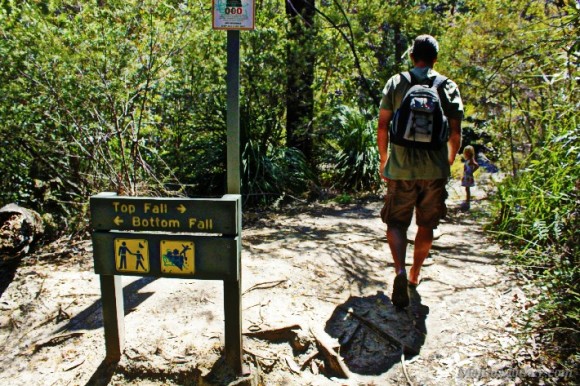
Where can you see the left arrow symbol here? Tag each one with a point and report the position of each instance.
(181, 208)
(118, 220)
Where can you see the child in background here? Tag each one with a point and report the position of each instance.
(469, 167)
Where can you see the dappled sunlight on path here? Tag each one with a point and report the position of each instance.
(335, 264)
(310, 274)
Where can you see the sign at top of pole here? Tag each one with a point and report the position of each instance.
(234, 14)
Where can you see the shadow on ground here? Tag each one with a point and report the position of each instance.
(7, 273)
(220, 375)
(374, 335)
(92, 318)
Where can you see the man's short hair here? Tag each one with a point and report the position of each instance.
(425, 48)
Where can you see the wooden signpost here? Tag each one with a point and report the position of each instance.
(175, 237)
(167, 237)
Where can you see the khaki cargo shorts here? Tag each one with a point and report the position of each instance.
(426, 196)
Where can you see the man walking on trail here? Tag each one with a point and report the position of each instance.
(416, 175)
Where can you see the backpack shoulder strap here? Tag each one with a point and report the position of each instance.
(439, 81)
(408, 76)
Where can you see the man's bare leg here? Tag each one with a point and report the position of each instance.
(397, 239)
(423, 242)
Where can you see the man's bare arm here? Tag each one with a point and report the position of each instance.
(385, 117)
(454, 138)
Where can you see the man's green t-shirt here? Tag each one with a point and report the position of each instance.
(418, 164)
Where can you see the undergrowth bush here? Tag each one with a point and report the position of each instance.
(537, 213)
(357, 158)
(271, 173)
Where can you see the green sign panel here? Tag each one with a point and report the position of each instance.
(166, 255)
(219, 215)
(167, 237)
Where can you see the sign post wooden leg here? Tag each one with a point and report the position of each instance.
(233, 325)
(113, 316)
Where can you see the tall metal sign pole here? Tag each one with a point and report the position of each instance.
(232, 289)
(233, 16)
(233, 113)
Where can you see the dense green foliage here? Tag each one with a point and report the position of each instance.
(537, 213)
(357, 158)
(536, 210)
(130, 96)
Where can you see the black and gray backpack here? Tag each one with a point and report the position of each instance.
(420, 122)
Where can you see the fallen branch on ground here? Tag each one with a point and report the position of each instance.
(405, 370)
(286, 333)
(335, 363)
(260, 356)
(309, 359)
(292, 365)
(265, 285)
(54, 340)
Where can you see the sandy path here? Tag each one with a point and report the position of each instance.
(308, 266)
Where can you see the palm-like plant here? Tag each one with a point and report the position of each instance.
(357, 159)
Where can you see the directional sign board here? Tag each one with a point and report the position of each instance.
(182, 238)
(219, 215)
(167, 237)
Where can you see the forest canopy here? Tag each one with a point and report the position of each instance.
(129, 96)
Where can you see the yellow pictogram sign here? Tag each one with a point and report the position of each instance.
(177, 257)
(131, 255)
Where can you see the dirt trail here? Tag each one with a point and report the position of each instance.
(325, 268)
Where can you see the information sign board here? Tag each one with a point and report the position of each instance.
(212, 215)
(197, 257)
(233, 14)
(167, 237)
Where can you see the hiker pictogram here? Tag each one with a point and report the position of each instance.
(131, 255)
(139, 262)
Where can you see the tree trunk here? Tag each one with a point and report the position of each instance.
(398, 46)
(300, 75)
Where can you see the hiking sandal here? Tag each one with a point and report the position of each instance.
(400, 296)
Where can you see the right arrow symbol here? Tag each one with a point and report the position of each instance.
(181, 208)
